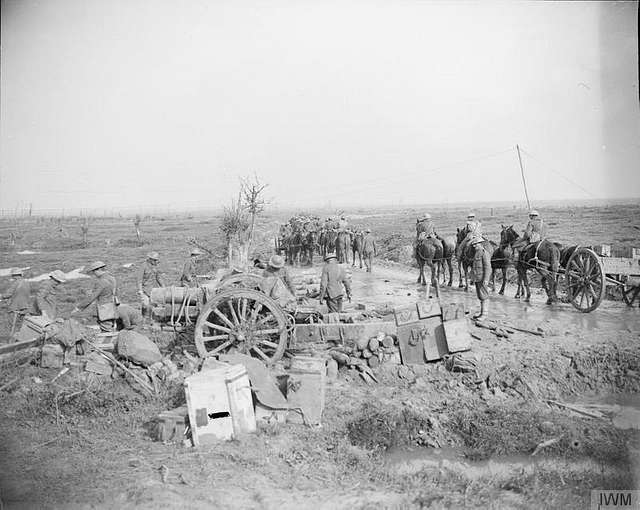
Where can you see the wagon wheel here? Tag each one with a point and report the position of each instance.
(244, 319)
(585, 280)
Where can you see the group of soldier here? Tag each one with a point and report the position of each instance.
(109, 313)
(535, 231)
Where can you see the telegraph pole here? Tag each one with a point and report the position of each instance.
(524, 182)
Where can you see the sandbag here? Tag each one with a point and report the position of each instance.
(138, 348)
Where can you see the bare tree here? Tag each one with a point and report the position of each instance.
(136, 224)
(85, 232)
(239, 219)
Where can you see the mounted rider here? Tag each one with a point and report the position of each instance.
(472, 229)
(534, 232)
(426, 229)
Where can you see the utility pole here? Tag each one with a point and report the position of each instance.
(524, 182)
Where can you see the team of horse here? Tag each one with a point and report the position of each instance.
(437, 254)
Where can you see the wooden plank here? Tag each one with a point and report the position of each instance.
(621, 265)
(427, 309)
(406, 315)
(411, 346)
(433, 338)
(18, 346)
(458, 335)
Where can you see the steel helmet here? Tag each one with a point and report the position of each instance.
(533, 212)
(330, 256)
(96, 265)
(425, 216)
(276, 261)
(196, 251)
(17, 271)
(153, 255)
(58, 276)
(471, 215)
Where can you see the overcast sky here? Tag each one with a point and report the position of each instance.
(135, 103)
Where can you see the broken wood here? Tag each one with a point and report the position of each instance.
(18, 346)
(143, 383)
(577, 409)
(544, 444)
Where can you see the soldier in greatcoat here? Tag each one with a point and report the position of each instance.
(47, 296)
(104, 295)
(334, 284)
(481, 275)
(150, 277)
(190, 269)
(369, 249)
(19, 297)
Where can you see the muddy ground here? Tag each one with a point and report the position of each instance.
(426, 438)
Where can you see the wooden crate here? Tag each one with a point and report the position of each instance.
(458, 335)
(621, 265)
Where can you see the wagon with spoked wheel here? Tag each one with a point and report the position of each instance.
(587, 275)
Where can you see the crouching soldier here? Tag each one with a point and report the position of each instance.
(481, 274)
(47, 296)
(332, 282)
(128, 317)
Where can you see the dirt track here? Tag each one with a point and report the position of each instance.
(373, 449)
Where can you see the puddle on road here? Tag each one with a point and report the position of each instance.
(398, 288)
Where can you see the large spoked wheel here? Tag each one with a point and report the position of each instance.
(243, 319)
(585, 280)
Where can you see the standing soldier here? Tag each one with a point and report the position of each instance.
(481, 275)
(46, 298)
(332, 281)
(342, 223)
(150, 277)
(103, 295)
(190, 270)
(473, 228)
(369, 249)
(19, 298)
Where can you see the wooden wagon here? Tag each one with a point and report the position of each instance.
(587, 275)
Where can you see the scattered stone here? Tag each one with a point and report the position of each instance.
(138, 348)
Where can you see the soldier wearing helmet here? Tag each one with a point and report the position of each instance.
(103, 295)
(19, 297)
(275, 268)
(277, 284)
(190, 269)
(150, 277)
(472, 229)
(536, 229)
(47, 295)
(425, 227)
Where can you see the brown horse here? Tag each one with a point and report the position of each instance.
(543, 256)
(466, 257)
(429, 252)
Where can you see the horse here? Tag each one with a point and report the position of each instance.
(465, 261)
(446, 260)
(329, 242)
(501, 259)
(294, 248)
(543, 256)
(356, 247)
(427, 251)
(309, 243)
(343, 243)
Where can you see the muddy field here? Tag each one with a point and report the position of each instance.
(423, 438)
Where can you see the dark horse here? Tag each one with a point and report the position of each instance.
(448, 251)
(501, 259)
(328, 242)
(343, 243)
(466, 258)
(294, 248)
(429, 252)
(543, 256)
(356, 247)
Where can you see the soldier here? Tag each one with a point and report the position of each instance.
(190, 270)
(128, 317)
(104, 295)
(332, 281)
(19, 298)
(536, 230)
(473, 228)
(46, 298)
(425, 229)
(150, 277)
(481, 275)
(342, 223)
(276, 268)
(369, 249)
